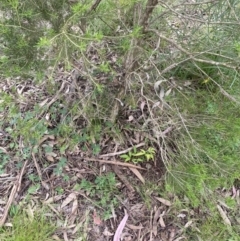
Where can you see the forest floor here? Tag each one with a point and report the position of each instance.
(89, 190)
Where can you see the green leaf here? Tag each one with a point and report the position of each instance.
(43, 42)
(124, 156)
(140, 153)
(149, 156)
(96, 149)
(151, 150)
(48, 149)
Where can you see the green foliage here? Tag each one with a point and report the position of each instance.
(136, 156)
(26, 228)
(145, 191)
(4, 158)
(215, 226)
(36, 35)
(103, 189)
(210, 161)
(60, 165)
(210, 222)
(27, 125)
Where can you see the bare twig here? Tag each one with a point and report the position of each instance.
(123, 178)
(55, 98)
(224, 92)
(191, 56)
(95, 5)
(151, 4)
(36, 163)
(121, 152)
(15, 189)
(114, 163)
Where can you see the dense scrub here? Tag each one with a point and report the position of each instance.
(87, 72)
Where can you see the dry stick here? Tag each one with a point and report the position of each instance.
(131, 55)
(15, 189)
(114, 163)
(191, 56)
(36, 164)
(95, 5)
(83, 20)
(123, 179)
(39, 172)
(122, 152)
(56, 97)
(171, 9)
(151, 4)
(224, 92)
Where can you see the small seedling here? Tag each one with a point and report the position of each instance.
(139, 156)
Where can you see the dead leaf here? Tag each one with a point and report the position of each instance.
(224, 216)
(138, 174)
(142, 105)
(45, 137)
(187, 83)
(155, 221)
(157, 84)
(178, 239)
(53, 199)
(65, 236)
(55, 237)
(43, 103)
(120, 228)
(133, 227)
(123, 179)
(74, 206)
(80, 222)
(47, 117)
(3, 149)
(188, 224)
(107, 233)
(130, 118)
(70, 198)
(8, 225)
(168, 92)
(181, 215)
(156, 104)
(164, 201)
(96, 218)
(234, 192)
(49, 158)
(162, 93)
(161, 221)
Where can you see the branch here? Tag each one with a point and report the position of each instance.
(95, 5)
(190, 55)
(151, 4)
(15, 189)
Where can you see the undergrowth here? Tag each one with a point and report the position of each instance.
(102, 190)
(138, 66)
(207, 159)
(213, 145)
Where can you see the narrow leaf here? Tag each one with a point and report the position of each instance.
(224, 215)
(164, 201)
(120, 228)
(162, 93)
(138, 174)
